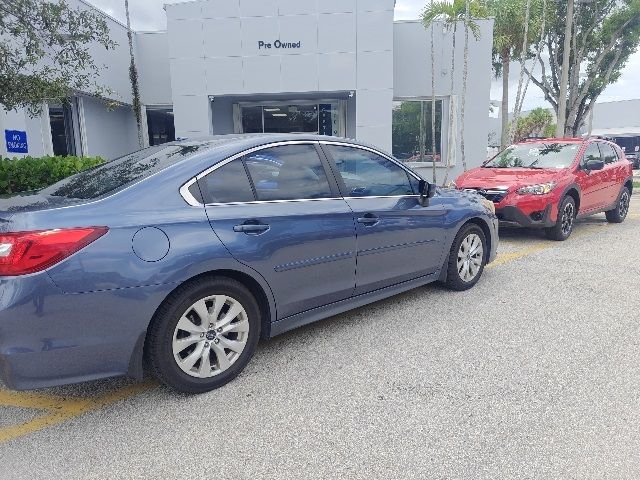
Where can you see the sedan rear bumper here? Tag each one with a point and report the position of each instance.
(49, 338)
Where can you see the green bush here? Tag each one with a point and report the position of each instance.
(32, 173)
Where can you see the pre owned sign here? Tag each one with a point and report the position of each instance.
(262, 45)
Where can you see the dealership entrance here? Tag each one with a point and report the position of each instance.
(324, 117)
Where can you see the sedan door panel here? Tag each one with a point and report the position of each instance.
(405, 242)
(307, 254)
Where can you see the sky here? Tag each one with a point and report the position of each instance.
(149, 15)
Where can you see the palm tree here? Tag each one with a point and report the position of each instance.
(465, 11)
(522, 90)
(510, 18)
(133, 77)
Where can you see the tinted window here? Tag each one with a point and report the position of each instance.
(121, 172)
(591, 153)
(609, 154)
(368, 174)
(535, 155)
(226, 184)
(289, 172)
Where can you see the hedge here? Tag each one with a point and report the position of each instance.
(33, 173)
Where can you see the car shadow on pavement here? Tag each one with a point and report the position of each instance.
(512, 232)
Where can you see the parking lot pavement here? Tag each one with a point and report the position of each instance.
(535, 373)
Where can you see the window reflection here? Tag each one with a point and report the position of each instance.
(160, 125)
(120, 172)
(412, 132)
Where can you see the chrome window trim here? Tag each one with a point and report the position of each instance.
(260, 202)
(299, 200)
(191, 200)
(186, 194)
(184, 189)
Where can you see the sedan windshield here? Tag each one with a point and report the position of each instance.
(535, 155)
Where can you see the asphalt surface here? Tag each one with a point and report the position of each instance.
(535, 373)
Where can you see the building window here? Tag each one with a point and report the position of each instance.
(160, 125)
(324, 118)
(412, 131)
(62, 136)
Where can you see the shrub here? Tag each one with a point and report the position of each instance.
(32, 173)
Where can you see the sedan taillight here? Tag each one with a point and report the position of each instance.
(29, 252)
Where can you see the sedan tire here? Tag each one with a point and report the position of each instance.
(203, 335)
(467, 258)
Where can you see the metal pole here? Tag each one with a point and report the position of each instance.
(564, 79)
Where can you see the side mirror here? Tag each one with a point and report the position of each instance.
(427, 191)
(594, 165)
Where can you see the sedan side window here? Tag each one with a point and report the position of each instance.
(591, 153)
(227, 184)
(367, 174)
(288, 172)
(609, 154)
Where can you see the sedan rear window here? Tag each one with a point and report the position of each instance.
(121, 172)
(535, 155)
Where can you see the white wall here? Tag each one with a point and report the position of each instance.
(152, 61)
(113, 64)
(412, 78)
(108, 133)
(617, 117)
(346, 45)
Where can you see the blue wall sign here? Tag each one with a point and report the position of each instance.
(16, 141)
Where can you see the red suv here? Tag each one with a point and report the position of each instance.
(549, 183)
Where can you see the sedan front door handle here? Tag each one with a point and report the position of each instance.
(251, 228)
(369, 220)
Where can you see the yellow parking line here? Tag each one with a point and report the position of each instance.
(59, 409)
(31, 400)
(503, 258)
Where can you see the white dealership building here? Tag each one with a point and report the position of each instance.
(339, 67)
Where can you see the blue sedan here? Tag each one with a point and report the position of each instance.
(182, 256)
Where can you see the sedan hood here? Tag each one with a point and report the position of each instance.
(506, 178)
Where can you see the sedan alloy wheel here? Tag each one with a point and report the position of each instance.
(470, 257)
(210, 336)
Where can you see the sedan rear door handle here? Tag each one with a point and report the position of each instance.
(369, 219)
(251, 228)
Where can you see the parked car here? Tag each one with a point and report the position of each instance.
(549, 183)
(185, 254)
(634, 158)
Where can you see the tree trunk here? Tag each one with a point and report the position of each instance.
(450, 145)
(504, 56)
(520, 94)
(133, 77)
(561, 129)
(433, 106)
(422, 137)
(465, 74)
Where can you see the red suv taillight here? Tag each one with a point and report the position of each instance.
(29, 252)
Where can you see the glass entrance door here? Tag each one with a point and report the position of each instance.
(321, 117)
(62, 132)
